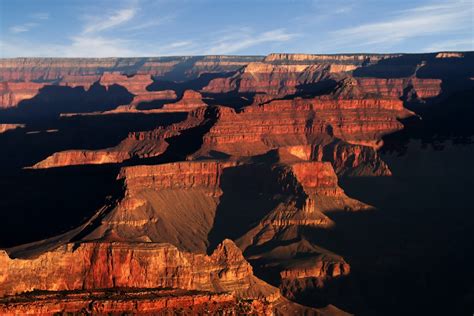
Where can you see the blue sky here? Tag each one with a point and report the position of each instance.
(122, 28)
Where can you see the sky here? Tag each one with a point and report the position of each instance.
(125, 28)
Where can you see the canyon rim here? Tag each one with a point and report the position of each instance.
(224, 179)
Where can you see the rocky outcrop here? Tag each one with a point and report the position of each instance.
(302, 121)
(256, 160)
(12, 93)
(80, 157)
(323, 125)
(388, 89)
(318, 269)
(142, 265)
(299, 265)
(158, 301)
(346, 133)
(159, 203)
(178, 175)
(135, 84)
(190, 101)
(145, 277)
(107, 302)
(280, 75)
(146, 144)
(449, 55)
(50, 69)
(85, 81)
(354, 59)
(264, 78)
(8, 127)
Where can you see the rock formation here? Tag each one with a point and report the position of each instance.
(147, 144)
(8, 127)
(12, 93)
(49, 69)
(190, 101)
(204, 214)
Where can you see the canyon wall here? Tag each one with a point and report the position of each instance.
(243, 186)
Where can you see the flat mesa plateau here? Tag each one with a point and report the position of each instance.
(287, 184)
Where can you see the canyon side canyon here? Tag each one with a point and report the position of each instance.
(287, 184)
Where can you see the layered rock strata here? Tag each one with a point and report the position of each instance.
(50, 69)
(12, 93)
(145, 144)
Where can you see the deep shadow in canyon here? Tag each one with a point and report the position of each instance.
(51, 201)
(424, 65)
(185, 143)
(413, 255)
(249, 193)
(52, 100)
(27, 146)
(167, 82)
(38, 204)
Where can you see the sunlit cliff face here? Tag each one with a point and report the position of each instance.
(223, 184)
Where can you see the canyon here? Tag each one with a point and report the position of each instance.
(273, 185)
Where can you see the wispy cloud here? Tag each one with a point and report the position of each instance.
(91, 40)
(35, 19)
(79, 47)
(452, 45)
(88, 42)
(22, 27)
(235, 41)
(99, 46)
(179, 44)
(95, 39)
(427, 20)
(40, 15)
(321, 11)
(153, 23)
(116, 18)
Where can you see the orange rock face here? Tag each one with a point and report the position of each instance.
(133, 302)
(85, 81)
(334, 131)
(109, 265)
(243, 186)
(8, 127)
(12, 93)
(280, 74)
(190, 101)
(27, 69)
(146, 144)
(136, 84)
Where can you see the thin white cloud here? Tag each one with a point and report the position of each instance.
(98, 24)
(97, 46)
(462, 44)
(153, 23)
(22, 27)
(322, 11)
(434, 19)
(40, 15)
(236, 41)
(26, 27)
(19, 29)
(179, 44)
(91, 40)
(79, 47)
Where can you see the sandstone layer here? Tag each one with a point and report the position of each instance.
(203, 210)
